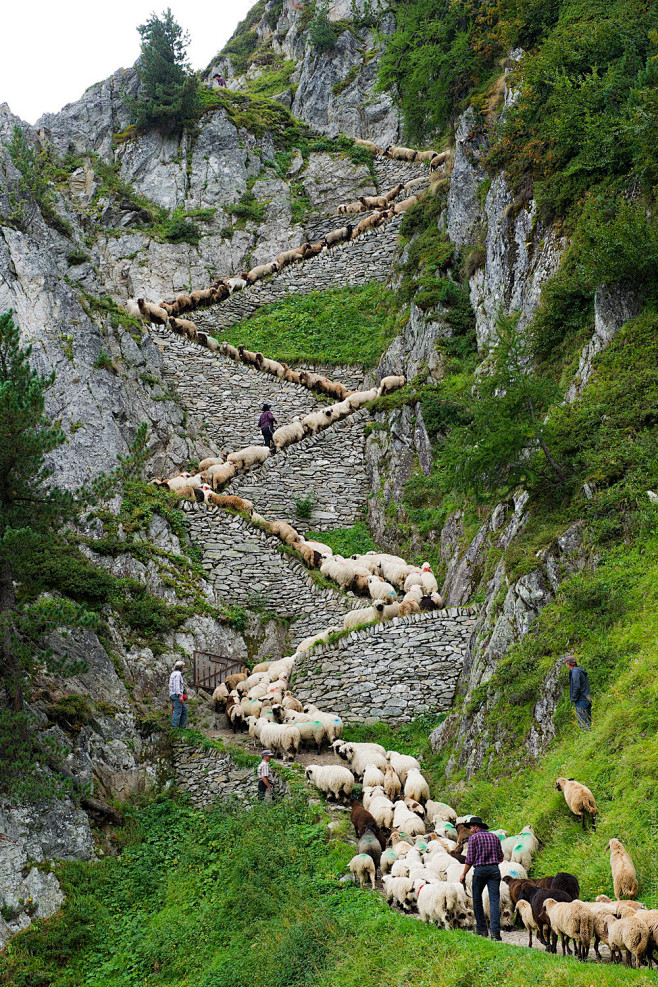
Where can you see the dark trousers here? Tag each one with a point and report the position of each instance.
(583, 710)
(267, 437)
(263, 790)
(487, 876)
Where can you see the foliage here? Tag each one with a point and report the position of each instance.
(168, 95)
(347, 81)
(177, 901)
(248, 208)
(506, 439)
(304, 505)
(32, 192)
(345, 325)
(321, 32)
(244, 41)
(356, 540)
(430, 65)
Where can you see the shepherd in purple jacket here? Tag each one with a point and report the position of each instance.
(266, 424)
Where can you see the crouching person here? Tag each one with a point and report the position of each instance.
(265, 777)
(178, 696)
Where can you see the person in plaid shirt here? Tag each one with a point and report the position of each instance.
(484, 854)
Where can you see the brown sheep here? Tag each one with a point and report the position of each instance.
(361, 819)
(184, 303)
(400, 153)
(439, 159)
(152, 313)
(338, 236)
(220, 290)
(230, 351)
(286, 533)
(246, 355)
(393, 193)
(374, 201)
(292, 256)
(235, 503)
(185, 327)
(401, 207)
(313, 249)
(204, 296)
(368, 223)
(290, 375)
(210, 461)
(426, 155)
(351, 208)
(369, 145)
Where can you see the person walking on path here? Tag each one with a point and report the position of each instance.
(484, 854)
(178, 696)
(266, 424)
(265, 777)
(579, 693)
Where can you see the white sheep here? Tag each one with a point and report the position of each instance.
(624, 878)
(319, 547)
(360, 760)
(287, 434)
(332, 723)
(401, 764)
(437, 903)
(401, 891)
(579, 799)
(524, 909)
(373, 776)
(415, 786)
(364, 615)
(382, 809)
(331, 779)
(379, 589)
(428, 582)
(406, 821)
(629, 934)
(221, 474)
(359, 398)
(440, 812)
(283, 738)
(388, 859)
(572, 920)
(363, 867)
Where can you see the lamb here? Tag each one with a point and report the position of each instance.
(236, 284)
(408, 607)
(524, 909)
(579, 799)
(338, 236)
(372, 776)
(391, 383)
(415, 786)
(379, 589)
(221, 474)
(624, 878)
(287, 434)
(363, 867)
(402, 764)
(331, 779)
(229, 351)
(630, 934)
(262, 271)
(248, 456)
(401, 891)
(357, 618)
(152, 313)
(571, 920)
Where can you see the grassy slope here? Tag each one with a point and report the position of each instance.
(347, 325)
(232, 899)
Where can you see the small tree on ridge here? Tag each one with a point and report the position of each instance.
(168, 96)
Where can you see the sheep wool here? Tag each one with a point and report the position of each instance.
(624, 878)
(363, 867)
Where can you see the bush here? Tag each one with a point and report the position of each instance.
(304, 505)
(321, 32)
(168, 97)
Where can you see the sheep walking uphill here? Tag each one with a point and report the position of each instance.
(624, 878)
(579, 799)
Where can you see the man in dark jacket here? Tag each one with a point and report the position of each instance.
(579, 693)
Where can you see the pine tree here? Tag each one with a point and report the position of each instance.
(169, 94)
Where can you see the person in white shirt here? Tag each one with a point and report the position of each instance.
(265, 776)
(178, 696)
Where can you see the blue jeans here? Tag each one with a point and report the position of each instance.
(179, 713)
(487, 876)
(583, 710)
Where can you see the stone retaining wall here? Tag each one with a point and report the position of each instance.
(392, 671)
(247, 567)
(329, 465)
(358, 262)
(212, 775)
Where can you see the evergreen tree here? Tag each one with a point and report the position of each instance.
(508, 437)
(169, 94)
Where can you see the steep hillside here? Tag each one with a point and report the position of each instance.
(517, 297)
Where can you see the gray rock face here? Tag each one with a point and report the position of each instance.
(464, 211)
(521, 254)
(32, 835)
(612, 308)
(91, 122)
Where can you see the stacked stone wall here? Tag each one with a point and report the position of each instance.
(208, 776)
(357, 262)
(329, 467)
(249, 568)
(393, 671)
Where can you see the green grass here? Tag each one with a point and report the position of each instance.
(228, 898)
(345, 325)
(346, 541)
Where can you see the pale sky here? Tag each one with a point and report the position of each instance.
(55, 49)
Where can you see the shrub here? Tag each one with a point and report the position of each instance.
(321, 32)
(304, 505)
(168, 96)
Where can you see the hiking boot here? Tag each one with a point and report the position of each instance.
(496, 937)
(482, 932)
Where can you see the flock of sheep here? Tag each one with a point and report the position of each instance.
(419, 847)
(168, 312)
